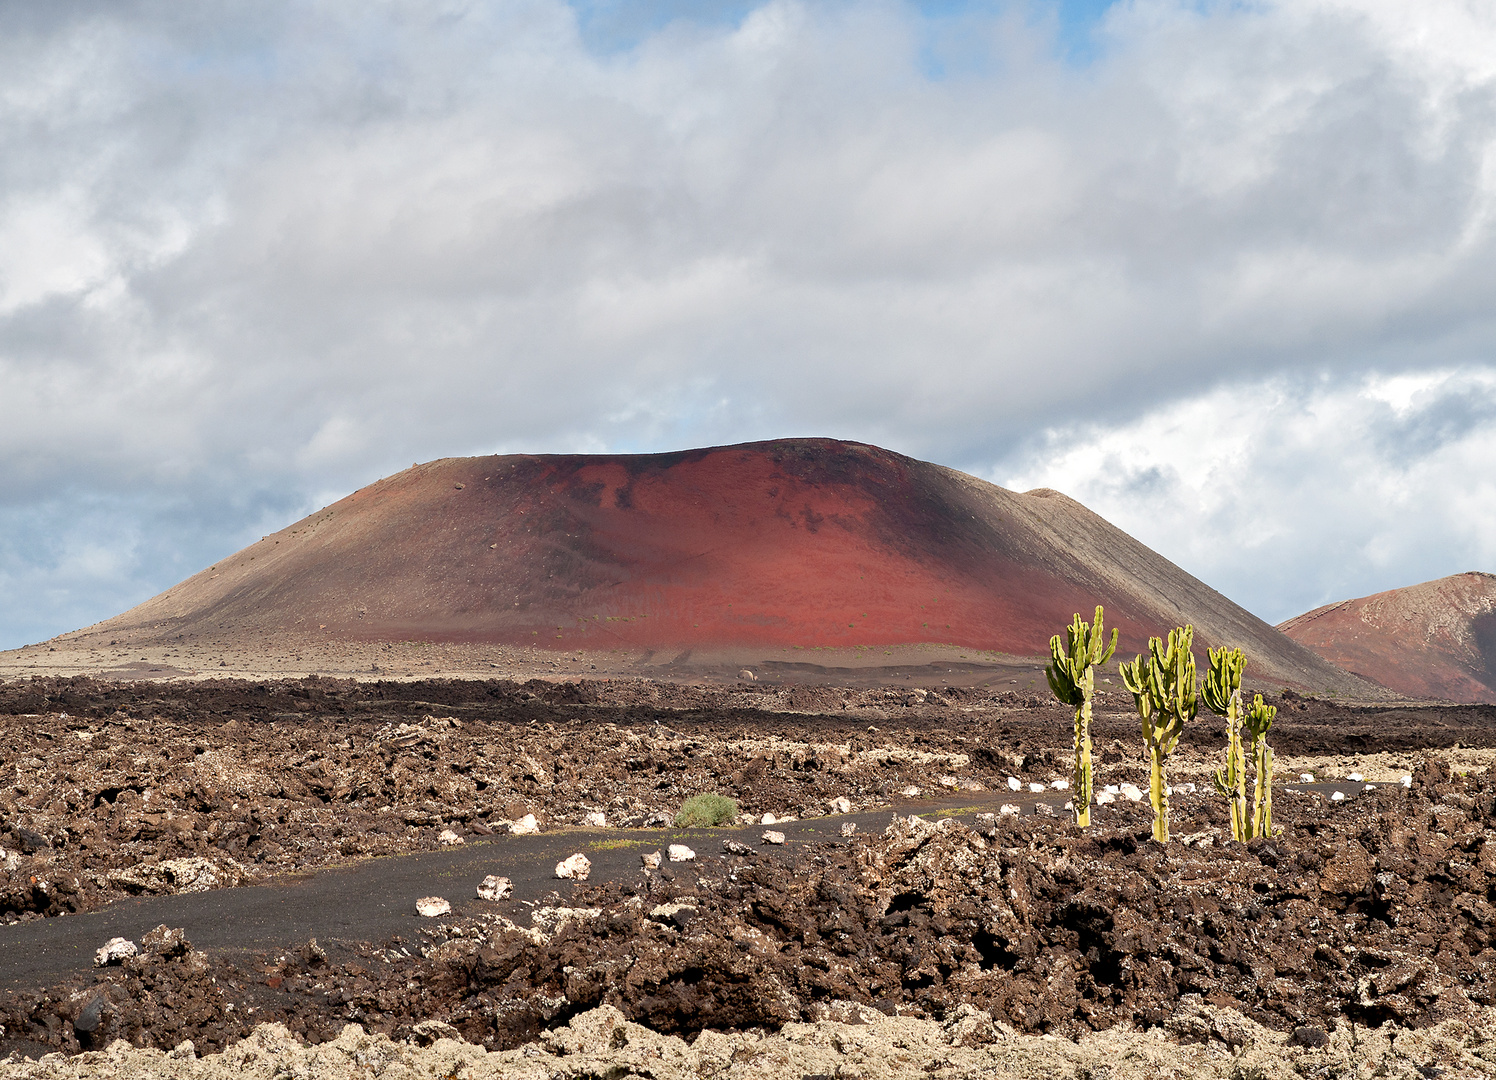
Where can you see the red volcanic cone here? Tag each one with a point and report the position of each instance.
(801, 542)
(1435, 640)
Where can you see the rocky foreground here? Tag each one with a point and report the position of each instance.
(1359, 942)
(1200, 1041)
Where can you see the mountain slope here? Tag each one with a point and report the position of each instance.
(808, 542)
(1434, 640)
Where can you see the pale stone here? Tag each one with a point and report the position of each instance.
(575, 868)
(1131, 792)
(494, 887)
(849, 828)
(1014, 783)
(596, 820)
(432, 906)
(525, 826)
(651, 860)
(839, 805)
(772, 837)
(1009, 810)
(449, 838)
(114, 951)
(680, 853)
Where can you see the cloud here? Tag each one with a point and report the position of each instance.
(1296, 492)
(280, 249)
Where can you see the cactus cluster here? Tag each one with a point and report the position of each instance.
(1162, 683)
(1164, 689)
(1072, 677)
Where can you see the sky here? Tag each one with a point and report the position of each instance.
(1223, 271)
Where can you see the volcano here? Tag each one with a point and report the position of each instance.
(793, 543)
(1434, 640)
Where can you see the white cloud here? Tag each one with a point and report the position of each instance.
(1293, 493)
(290, 247)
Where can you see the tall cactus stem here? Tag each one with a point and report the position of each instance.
(1080, 782)
(1072, 677)
(1162, 683)
(1258, 720)
(1262, 819)
(1158, 793)
(1222, 693)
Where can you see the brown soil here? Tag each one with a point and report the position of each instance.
(1373, 910)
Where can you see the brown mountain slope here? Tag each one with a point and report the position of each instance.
(1435, 640)
(805, 542)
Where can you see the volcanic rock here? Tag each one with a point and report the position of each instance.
(494, 887)
(114, 951)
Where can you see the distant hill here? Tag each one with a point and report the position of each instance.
(1435, 640)
(800, 542)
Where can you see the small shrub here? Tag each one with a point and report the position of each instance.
(706, 810)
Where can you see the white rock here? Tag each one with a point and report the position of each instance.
(680, 853)
(1338, 796)
(1357, 777)
(1059, 785)
(849, 828)
(1009, 809)
(1112, 789)
(597, 820)
(1069, 806)
(841, 805)
(1369, 787)
(1186, 789)
(772, 837)
(1406, 781)
(1036, 788)
(651, 860)
(1130, 792)
(449, 838)
(1306, 778)
(494, 887)
(114, 951)
(577, 867)
(768, 819)
(949, 782)
(1104, 797)
(1014, 783)
(432, 906)
(525, 826)
(910, 792)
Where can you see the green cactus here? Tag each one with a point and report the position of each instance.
(1163, 689)
(1222, 693)
(1258, 719)
(1072, 677)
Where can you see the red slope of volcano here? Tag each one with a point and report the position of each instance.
(1435, 640)
(807, 542)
